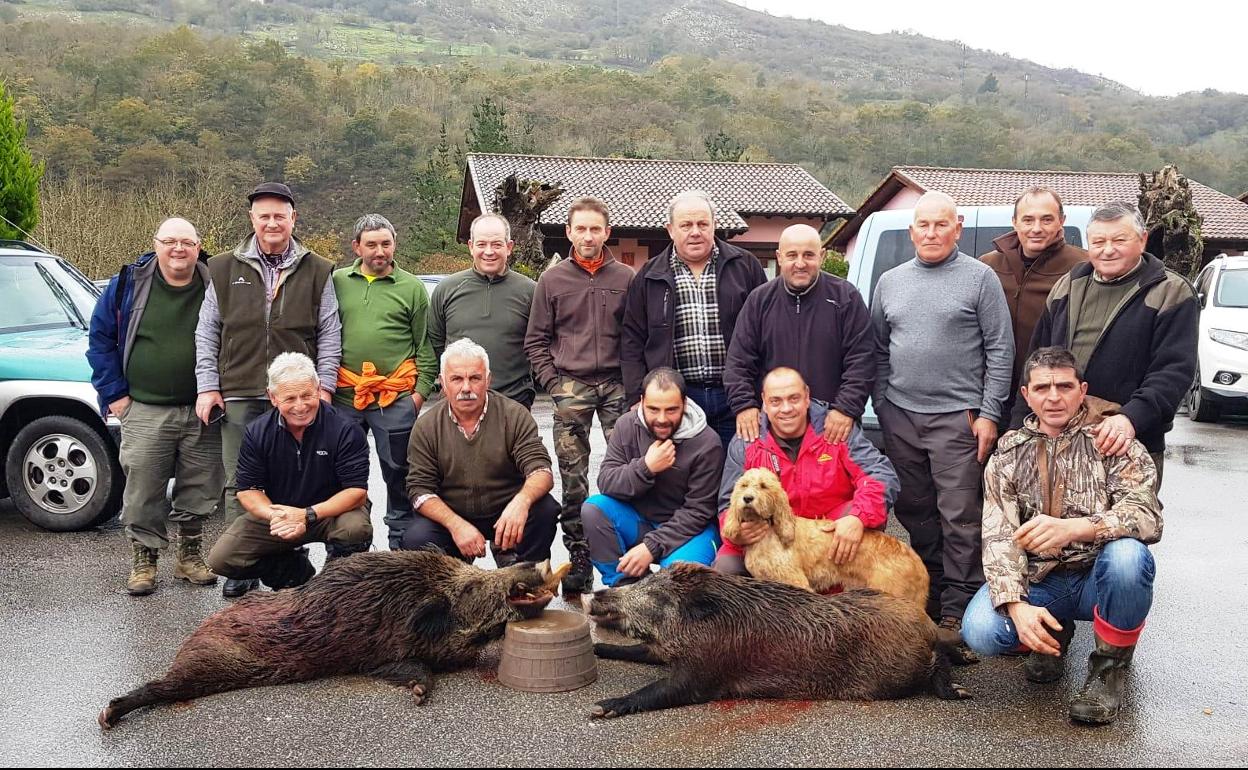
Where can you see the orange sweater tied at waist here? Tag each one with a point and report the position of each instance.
(370, 386)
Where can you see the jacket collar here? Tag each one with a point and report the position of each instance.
(662, 269)
(1011, 245)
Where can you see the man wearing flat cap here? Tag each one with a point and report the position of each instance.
(269, 295)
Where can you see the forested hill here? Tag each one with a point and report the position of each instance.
(369, 104)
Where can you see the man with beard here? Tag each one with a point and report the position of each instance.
(477, 469)
(658, 484)
(573, 341)
(388, 367)
(807, 320)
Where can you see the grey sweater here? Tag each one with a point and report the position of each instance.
(944, 338)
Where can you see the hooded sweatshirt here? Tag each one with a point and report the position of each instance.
(680, 501)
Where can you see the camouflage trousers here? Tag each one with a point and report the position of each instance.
(575, 403)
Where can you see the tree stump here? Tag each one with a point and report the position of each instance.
(521, 202)
(1172, 222)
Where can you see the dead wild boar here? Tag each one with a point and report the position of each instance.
(727, 636)
(395, 615)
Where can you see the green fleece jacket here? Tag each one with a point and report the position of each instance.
(384, 322)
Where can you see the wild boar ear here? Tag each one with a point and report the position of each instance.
(700, 605)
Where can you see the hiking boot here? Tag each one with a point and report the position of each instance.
(1100, 699)
(580, 579)
(142, 579)
(1042, 669)
(950, 630)
(234, 587)
(191, 566)
(287, 570)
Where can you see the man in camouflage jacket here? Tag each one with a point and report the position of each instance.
(1065, 531)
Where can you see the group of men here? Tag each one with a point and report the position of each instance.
(698, 368)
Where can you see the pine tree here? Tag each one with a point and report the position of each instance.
(488, 132)
(19, 175)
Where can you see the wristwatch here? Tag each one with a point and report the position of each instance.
(309, 515)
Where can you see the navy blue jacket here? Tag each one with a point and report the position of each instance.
(825, 334)
(646, 336)
(332, 457)
(116, 318)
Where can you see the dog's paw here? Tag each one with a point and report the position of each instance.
(105, 719)
(419, 692)
(961, 692)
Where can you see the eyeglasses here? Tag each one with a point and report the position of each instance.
(185, 243)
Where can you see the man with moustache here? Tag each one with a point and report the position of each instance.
(478, 471)
(269, 295)
(682, 308)
(657, 486)
(810, 321)
(1028, 261)
(302, 478)
(388, 368)
(944, 356)
(490, 304)
(573, 342)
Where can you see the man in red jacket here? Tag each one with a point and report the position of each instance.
(850, 483)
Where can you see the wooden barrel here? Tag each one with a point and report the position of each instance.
(550, 653)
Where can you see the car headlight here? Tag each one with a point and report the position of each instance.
(1234, 339)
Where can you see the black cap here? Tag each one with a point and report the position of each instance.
(271, 190)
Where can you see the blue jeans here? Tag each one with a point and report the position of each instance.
(714, 401)
(1119, 586)
(613, 527)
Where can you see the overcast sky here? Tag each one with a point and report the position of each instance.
(1126, 42)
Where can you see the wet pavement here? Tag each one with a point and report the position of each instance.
(71, 639)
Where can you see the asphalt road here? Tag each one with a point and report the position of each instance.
(71, 639)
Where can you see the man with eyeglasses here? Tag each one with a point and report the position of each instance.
(142, 356)
(1132, 326)
(269, 295)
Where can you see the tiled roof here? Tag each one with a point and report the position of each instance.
(1226, 218)
(638, 191)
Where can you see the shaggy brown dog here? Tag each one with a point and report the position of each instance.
(395, 615)
(796, 551)
(727, 636)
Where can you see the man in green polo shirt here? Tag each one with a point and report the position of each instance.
(388, 367)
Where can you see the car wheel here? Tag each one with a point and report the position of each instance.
(63, 475)
(1199, 407)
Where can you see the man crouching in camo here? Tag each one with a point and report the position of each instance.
(1065, 532)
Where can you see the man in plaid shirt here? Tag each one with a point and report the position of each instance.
(683, 306)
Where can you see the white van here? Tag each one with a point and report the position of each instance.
(884, 242)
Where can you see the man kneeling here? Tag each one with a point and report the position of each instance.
(1064, 536)
(302, 478)
(657, 486)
